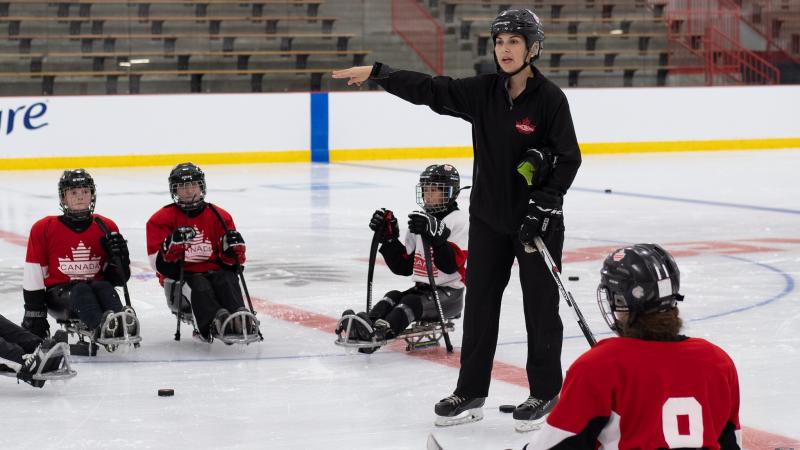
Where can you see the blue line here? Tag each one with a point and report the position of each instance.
(319, 127)
(787, 289)
(689, 200)
(92, 360)
(624, 194)
(321, 186)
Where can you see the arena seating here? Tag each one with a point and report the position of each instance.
(137, 46)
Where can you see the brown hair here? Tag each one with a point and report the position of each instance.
(658, 326)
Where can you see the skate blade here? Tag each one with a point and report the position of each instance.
(470, 415)
(524, 426)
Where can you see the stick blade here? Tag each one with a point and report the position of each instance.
(433, 444)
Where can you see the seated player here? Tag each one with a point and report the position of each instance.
(194, 246)
(445, 228)
(72, 264)
(28, 357)
(652, 387)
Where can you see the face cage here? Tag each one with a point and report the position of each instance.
(173, 188)
(605, 302)
(82, 214)
(435, 188)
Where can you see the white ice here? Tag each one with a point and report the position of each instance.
(731, 217)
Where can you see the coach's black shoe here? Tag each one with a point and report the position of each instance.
(455, 410)
(531, 414)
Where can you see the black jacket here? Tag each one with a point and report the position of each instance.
(502, 130)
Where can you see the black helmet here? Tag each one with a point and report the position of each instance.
(439, 178)
(637, 280)
(71, 179)
(520, 21)
(182, 174)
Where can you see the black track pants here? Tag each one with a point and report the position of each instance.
(210, 292)
(87, 300)
(491, 255)
(402, 308)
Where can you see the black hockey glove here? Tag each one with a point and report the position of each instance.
(35, 318)
(544, 215)
(232, 248)
(175, 244)
(115, 245)
(384, 222)
(36, 323)
(535, 167)
(428, 227)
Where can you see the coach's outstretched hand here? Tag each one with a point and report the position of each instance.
(356, 75)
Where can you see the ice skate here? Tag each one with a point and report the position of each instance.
(455, 410)
(531, 414)
(219, 323)
(241, 327)
(48, 362)
(342, 324)
(383, 330)
(109, 328)
(131, 322)
(115, 329)
(356, 331)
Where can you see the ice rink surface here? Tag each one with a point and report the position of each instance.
(730, 218)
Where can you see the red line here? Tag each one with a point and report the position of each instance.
(762, 440)
(753, 439)
(14, 238)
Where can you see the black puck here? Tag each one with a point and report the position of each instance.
(608, 191)
(507, 408)
(166, 392)
(574, 278)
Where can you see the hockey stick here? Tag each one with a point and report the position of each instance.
(548, 259)
(117, 262)
(373, 253)
(429, 268)
(239, 269)
(432, 443)
(179, 309)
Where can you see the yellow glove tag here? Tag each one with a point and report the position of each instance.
(526, 169)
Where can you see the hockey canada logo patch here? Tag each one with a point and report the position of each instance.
(525, 126)
(420, 268)
(199, 249)
(82, 265)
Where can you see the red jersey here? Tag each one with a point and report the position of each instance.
(634, 394)
(58, 254)
(202, 252)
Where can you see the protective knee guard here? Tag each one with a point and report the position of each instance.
(452, 302)
(385, 305)
(174, 297)
(400, 317)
